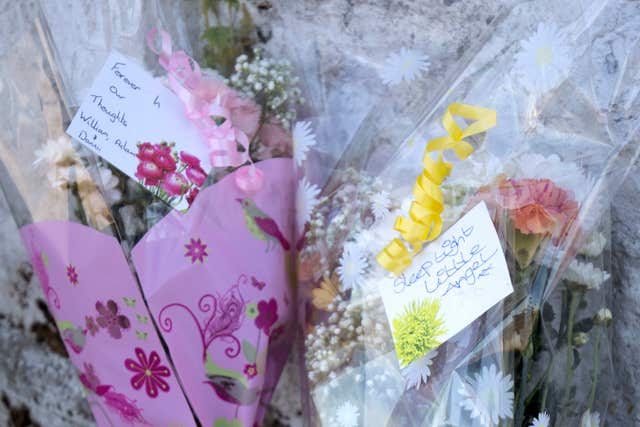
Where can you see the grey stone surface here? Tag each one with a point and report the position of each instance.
(37, 382)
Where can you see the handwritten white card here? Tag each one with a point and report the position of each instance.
(134, 122)
(452, 282)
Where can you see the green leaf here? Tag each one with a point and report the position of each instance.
(584, 325)
(212, 369)
(249, 351)
(224, 422)
(142, 335)
(547, 312)
(142, 319)
(218, 37)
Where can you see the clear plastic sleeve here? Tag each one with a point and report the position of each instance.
(563, 142)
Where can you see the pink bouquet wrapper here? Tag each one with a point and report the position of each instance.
(218, 281)
(105, 326)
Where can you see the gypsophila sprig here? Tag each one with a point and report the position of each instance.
(271, 84)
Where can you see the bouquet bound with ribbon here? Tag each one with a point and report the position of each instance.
(457, 277)
(167, 261)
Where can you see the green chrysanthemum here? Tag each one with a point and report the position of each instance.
(416, 331)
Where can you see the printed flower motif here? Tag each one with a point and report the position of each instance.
(149, 172)
(544, 59)
(306, 200)
(125, 407)
(380, 205)
(193, 193)
(405, 65)
(251, 311)
(196, 175)
(190, 160)
(276, 333)
(267, 315)
(230, 313)
(590, 419)
(417, 330)
(72, 274)
(146, 151)
(175, 184)
(163, 159)
(489, 396)
(250, 370)
(303, 139)
(110, 185)
(347, 415)
(74, 338)
(352, 266)
(197, 250)
(149, 372)
(88, 378)
(542, 420)
(417, 372)
(110, 319)
(91, 326)
(258, 284)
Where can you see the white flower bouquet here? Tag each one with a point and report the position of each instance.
(474, 294)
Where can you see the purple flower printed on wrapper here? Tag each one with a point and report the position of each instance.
(148, 372)
(196, 250)
(110, 319)
(72, 274)
(267, 315)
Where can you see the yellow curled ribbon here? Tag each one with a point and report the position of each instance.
(424, 222)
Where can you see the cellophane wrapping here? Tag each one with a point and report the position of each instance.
(171, 318)
(563, 142)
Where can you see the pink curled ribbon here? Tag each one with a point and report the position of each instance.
(187, 82)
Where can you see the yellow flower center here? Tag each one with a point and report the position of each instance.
(544, 56)
(147, 373)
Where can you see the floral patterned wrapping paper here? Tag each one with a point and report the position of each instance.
(105, 326)
(217, 281)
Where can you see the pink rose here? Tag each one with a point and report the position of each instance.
(175, 184)
(196, 175)
(146, 151)
(276, 138)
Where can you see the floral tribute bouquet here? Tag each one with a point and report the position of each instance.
(176, 316)
(474, 295)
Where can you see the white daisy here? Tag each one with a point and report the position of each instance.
(303, 139)
(594, 245)
(110, 184)
(544, 59)
(404, 65)
(306, 201)
(380, 204)
(542, 420)
(57, 151)
(352, 266)
(585, 275)
(566, 175)
(417, 372)
(590, 419)
(604, 316)
(347, 415)
(489, 396)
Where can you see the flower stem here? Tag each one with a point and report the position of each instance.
(573, 305)
(594, 378)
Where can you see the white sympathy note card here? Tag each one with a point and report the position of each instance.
(134, 122)
(448, 285)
